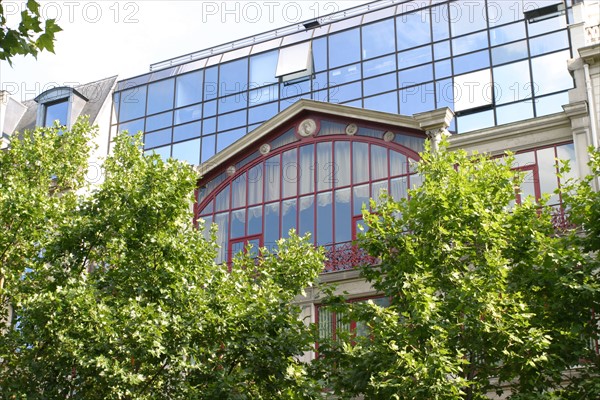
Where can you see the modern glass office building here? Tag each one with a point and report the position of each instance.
(492, 62)
(298, 128)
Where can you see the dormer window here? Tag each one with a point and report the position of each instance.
(62, 104)
(56, 111)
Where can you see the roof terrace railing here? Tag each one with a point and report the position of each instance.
(273, 34)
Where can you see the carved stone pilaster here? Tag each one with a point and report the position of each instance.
(435, 136)
(435, 124)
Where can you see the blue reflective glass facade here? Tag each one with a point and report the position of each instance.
(407, 58)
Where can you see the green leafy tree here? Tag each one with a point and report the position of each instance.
(30, 36)
(485, 296)
(117, 296)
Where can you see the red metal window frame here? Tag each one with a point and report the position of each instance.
(334, 316)
(330, 188)
(244, 241)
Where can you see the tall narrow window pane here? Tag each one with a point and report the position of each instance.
(222, 221)
(547, 174)
(255, 184)
(211, 83)
(343, 216)
(398, 188)
(342, 164)
(307, 216)
(289, 176)
(361, 197)
(288, 216)
(440, 22)
(160, 96)
(272, 225)
(324, 219)
(325, 323)
(567, 152)
(307, 169)
(222, 200)
(189, 88)
(378, 39)
(360, 162)
(319, 53)
(344, 48)
(272, 176)
(379, 162)
(378, 189)
(325, 167)
(238, 191)
(208, 147)
(238, 223)
(255, 220)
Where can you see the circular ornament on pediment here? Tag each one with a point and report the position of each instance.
(307, 128)
(389, 136)
(351, 129)
(230, 170)
(265, 149)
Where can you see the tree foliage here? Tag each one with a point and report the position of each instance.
(485, 296)
(117, 296)
(30, 36)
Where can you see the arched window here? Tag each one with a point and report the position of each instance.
(317, 184)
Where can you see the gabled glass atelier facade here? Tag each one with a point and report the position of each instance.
(482, 59)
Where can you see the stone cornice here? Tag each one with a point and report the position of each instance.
(590, 54)
(535, 132)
